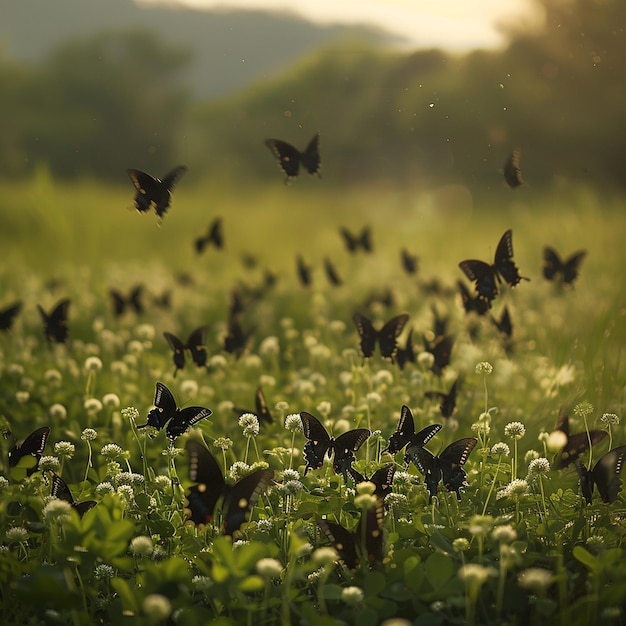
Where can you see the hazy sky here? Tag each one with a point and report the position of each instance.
(451, 24)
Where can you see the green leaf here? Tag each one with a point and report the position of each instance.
(586, 558)
(439, 569)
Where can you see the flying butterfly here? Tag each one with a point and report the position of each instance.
(364, 545)
(512, 171)
(407, 354)
(353, 242)
(503, 269)
(304, 272)
(447, 467)
(154, 193)
(28, 453)
(261, 410)
(238, 500)
(133, 301)
(320, 444)
(441, 349)
(290, 159)
(236, 339)
(440, 323)
(167, 414)
(8, 315)
(195, 344)
(62, 491)
(605, 475)
(504, 324)
(386, 336)
(214, 236)
(479, 305)
(447, 404)
(576, 444)
(55, 322)
(409, 261)
(405, 433)
(567, 270)
(382, 479)
(331, 273)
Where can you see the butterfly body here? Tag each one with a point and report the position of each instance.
(62, 491)
(405, 433)
(565, 270)
(166, 414)
(290, 159)
(154, 193)
(195, 344)
(385, 337)
(320, 444)
(55, 322)
(605, 476)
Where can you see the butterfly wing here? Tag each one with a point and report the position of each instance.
(383, 478)
(7, 316)
(33, 445)
(163, 193)
(165, 408)
(184, 419)
(55, 323)
(606, 474)
(319, 441)
(406, 354)
(345, 446)
(331, 273)
(576, 443)
(216, 234)
(304, 271)
(441, 349)
(242, 497)
(310, 158)
(505, 326)
(370, 534)
(470, 303)
(512, 171)
(409, 261)
(367, 334)
(147, 188)
(585, 480)
(288, 157)
(349, 240)
(205, 471)
(134, 299)
(504, 265)
(343, 541)
(428, 464)
(552, 264)
(388, 335)
(262, 411)
(448, 400)
(571, 266)
(451, 462)
(178, 348)
(365, 239)
(196, 346)
(484, 276)
(62, 491)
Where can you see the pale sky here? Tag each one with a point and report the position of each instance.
(452, 24)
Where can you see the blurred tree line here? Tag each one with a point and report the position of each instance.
(102, 104)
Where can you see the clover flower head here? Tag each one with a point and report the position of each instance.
(500, 449)
(484, 367)
(515, 430)
(293, 423)
(352, 595)
(93, 364)
(64, 449)
(223, 443)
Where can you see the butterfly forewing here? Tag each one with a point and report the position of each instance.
(8, 315)
(388, 335)
(178, 348)
(33, 445)
(367, 334)
(184, 419)
(288, 157)
(451, 462)
(62, 491)
(242, 497)
(606, 474)
(310, 158)
(204, 470)
(319, 441)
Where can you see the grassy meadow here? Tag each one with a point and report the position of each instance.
(509, 552)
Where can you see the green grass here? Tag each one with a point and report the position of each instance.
(87, 238)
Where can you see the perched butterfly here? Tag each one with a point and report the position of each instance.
(448, 400)
(236, 339)
(576, 443)
(512, 172)
(386, 336)
(353, 242)
(133, 300)
(320, 444)
(364, 545)
(304, 271)
(405, 433)
(486, 276)
(604, 475)
(238, 500)
(8, 315)
(567, 270)
(29, 452)
(331, 273)
(166, 412)
(55, 322)
(214, 236)
(381, 478)
(447, 467)
(441, 349)
(154, 192)
(195, 344)
(290, 159)
(62, 491)
(470, 303)
(409, 261)
(261, 410)
(407, 354)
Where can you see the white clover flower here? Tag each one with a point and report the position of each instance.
(264, 525)
(595, 543)
(481, 428)
(240, 543)
(337, 326)
(253, 362)
(382, 377)
(517, 487)
(130, 413)
(92, 406)
(515, 430)
(293, 423)
(93, 364)
(53, 377)
(16, 369)
(4, 482)
(145, 332)
(89, 434)
(535, 579)
(500, 448)
(504, 534)
(102, 571)
(16, 533)
(373, 398)
(352, 595)
(341, 426)
(162, 482)
(609, 419)
(539, 467)
(102, 489)
(460, 544)
(238, 469)
(202, 583)
(402, 478)
(473, 573)
(396, 499)
(484, 367)
(425, 360)
(480, 524)
(531, 455)
(223, 443)
(111, 400)
(304, 550)
(126, 493)
(291, 474)
(22, 397)
(269, 568)
(56, 511)
(557, 440)
(218, 362)
(112, 451)
(119, 368)
(157, 607)
(189, 388)
(345, 378)
(324, 556)
(270, 346)
(134, 347)
(281, 405)
(250, 424)
(49, 463)
(129, 478)
(141, 545)
(324, 408)
(64, 449)
(582, 409)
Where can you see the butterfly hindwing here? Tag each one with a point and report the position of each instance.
(242, 497)
(205, 471)
(62, 491)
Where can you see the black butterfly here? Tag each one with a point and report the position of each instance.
(381, 478)
(236, 339)
(154, 192)
(195, 344)
(441, 323)
(290, 158)
(504, 324)
(261, 411)
(164, 301)
(576, 443)
(364, 545)
(448, 400)
(447, 467)
(405, 433)
(32, 446)
(386, 336)
(214, 236)
(121, 303)
(604, 475)
(512, 172)
(567, 270)
(331, 273)
(166, 412)
(441, 349)
(407, 354)
(353, 242)
(238, 500)
(470, 303)
(304, 271)
(8, 315)
(62, 491)
(486, 276)
(320, 444)
(409, 261)
(55, 322)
